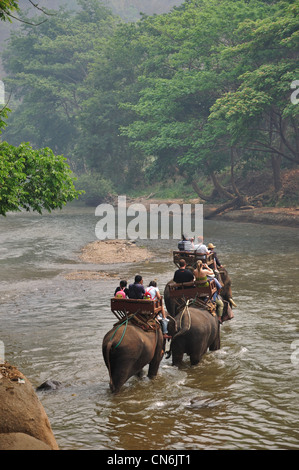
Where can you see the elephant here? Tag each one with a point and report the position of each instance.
(193, 326)
(127, 348)
(194, 330)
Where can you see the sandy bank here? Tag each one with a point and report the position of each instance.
(114, 251)
(109, 252)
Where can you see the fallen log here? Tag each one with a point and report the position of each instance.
(229, 205)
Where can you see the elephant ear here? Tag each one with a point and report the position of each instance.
(169, 303)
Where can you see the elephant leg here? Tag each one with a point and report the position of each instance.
(215, 345)
(155, 362)
(177, 349)
(195, 359)
(140, 374)
(153, 369)
(117, 381)
(177, 358)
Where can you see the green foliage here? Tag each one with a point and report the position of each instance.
(259, 112)
(6, 8)
(47, 66)
(97, 189)
(195, 92)
(33, 179)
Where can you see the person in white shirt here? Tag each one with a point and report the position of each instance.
(201, 248)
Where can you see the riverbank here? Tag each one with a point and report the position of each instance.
(284, 216)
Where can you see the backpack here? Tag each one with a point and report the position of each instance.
(147, 294)
(120, 294)
(181, 245)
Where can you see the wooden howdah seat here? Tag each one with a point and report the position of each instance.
(191, 290)
(149, 309)
(191, 258)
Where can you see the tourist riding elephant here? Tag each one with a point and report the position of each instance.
(226, 295)
(127, 348)
(193, 326)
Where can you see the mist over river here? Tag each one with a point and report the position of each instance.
(244, 396)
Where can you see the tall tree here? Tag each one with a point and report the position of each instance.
(47, 67)
(31, 179)
(184, 74)
(113, 79)
(259, 115)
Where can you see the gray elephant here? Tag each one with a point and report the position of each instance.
(194, 331)
(193, 324)
(128, 348)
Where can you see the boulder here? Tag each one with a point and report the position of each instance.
(20, 441)
(23, 420)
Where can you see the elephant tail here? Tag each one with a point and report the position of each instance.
(107, 360)
(184, 321)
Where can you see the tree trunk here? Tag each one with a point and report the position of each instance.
(229, 205)
(232, 174)
(219, 188)
(276, 162)
(199, 192)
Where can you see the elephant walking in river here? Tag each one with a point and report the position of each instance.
(127, 349)
(194, 329)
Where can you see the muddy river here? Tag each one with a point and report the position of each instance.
(244, 396)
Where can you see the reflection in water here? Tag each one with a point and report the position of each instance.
(244, 396)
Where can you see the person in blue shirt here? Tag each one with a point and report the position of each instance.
(136, 290)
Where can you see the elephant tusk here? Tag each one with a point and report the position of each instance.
(232, 302)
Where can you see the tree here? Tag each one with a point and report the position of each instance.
(6, 8)
(31, 179)
(113, 79)
(47, 67)
(259, 115)
(184, 73)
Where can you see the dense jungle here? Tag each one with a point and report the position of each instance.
(194, 99)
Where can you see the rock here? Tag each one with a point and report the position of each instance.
(49, 385)
(23, 420)
(20, 441)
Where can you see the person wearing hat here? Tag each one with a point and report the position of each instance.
(217, 263)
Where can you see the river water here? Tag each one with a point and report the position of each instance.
(244, 396)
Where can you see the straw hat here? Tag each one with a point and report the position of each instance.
(210, 245)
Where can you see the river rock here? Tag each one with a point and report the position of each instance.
(23, 420)
(49, 385)
(20, 441)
